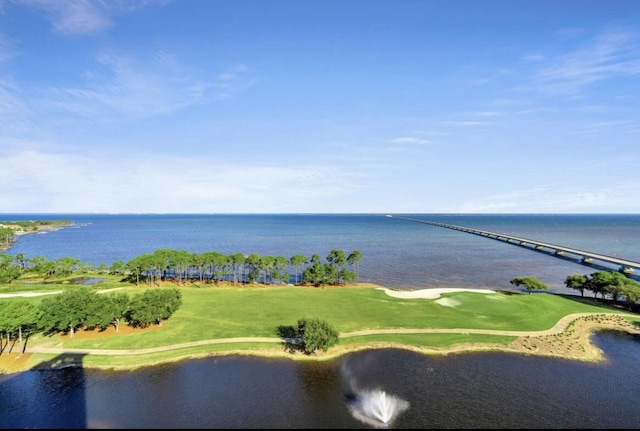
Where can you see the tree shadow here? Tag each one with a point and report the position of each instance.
(291, 343)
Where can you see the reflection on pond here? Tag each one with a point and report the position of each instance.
(471, 390)
(76, 280)
(86, 280)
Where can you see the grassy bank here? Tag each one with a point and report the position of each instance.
(210, 316)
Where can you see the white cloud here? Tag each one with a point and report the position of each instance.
(467, 123)
(14, 111)
(39, 181)
(558, 198)
(533, 57)
(410, 141)
(488, 114)
(6, 49)
(74, 16)
(85, 16)
(124, 86)
(615, 52)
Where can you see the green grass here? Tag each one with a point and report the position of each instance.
(211, 313)
(226, 312)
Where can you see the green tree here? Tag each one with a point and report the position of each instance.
(316, 272)
(531, 283)
(338, 259)
(18, 319)
(223, 265)
(37, 264)
(68, 311)
(252, 263)
(266, 264)
(296, 261)
(578, 282)
(279, 273)
(109, 309)
(348, 276)
(21, 260)
(613, 283)
(138, 266)
(7, 237)
(354, 259)
(631, 292)
(85, 267)
(66, 265)
(316, 335)
(237, 263)
(199, 261)
(178, 262)
(154, 306)
(119, 267)
(8, 274)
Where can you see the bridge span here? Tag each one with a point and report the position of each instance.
(626, 266)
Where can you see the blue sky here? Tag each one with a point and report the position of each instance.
(319, 106)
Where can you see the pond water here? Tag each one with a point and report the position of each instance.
(471, 390)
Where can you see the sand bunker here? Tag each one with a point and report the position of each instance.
(430, 293)
(447, 302)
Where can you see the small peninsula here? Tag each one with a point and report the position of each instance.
(10, 230)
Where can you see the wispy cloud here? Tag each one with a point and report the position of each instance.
(46, 181)
(14, 112)
(409, 141)
(124, 86)
(614, 52)
(6, 50)
(606, 127)
(488, 114)
(467, 123)
(555, 199)
(74, 17)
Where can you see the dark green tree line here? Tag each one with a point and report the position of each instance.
(84, 308)
(613, 283)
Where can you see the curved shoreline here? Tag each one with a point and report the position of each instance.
(582, 324)
(558, 328)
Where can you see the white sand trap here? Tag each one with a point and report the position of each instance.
(27, 294)
(447, 302)
(430, 293)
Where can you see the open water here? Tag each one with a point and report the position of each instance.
(396, 253)
(470, 390)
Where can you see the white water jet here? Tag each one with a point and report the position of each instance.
(377, 408)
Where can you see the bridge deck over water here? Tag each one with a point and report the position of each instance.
(626, 266)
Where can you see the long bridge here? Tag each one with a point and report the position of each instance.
(626, 266)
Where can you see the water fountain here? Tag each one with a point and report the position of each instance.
(377, 408)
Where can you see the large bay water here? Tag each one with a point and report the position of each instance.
(470, 390)
(396, 253)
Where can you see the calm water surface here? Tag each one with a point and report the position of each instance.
(472, 390)
(396, 253)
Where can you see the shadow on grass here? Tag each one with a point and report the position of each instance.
(291, 343)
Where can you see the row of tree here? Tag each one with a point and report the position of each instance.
(613, 283)
(7, 237)
(86, 309)
(180, 266)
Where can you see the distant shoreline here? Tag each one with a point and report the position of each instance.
(25, 227)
